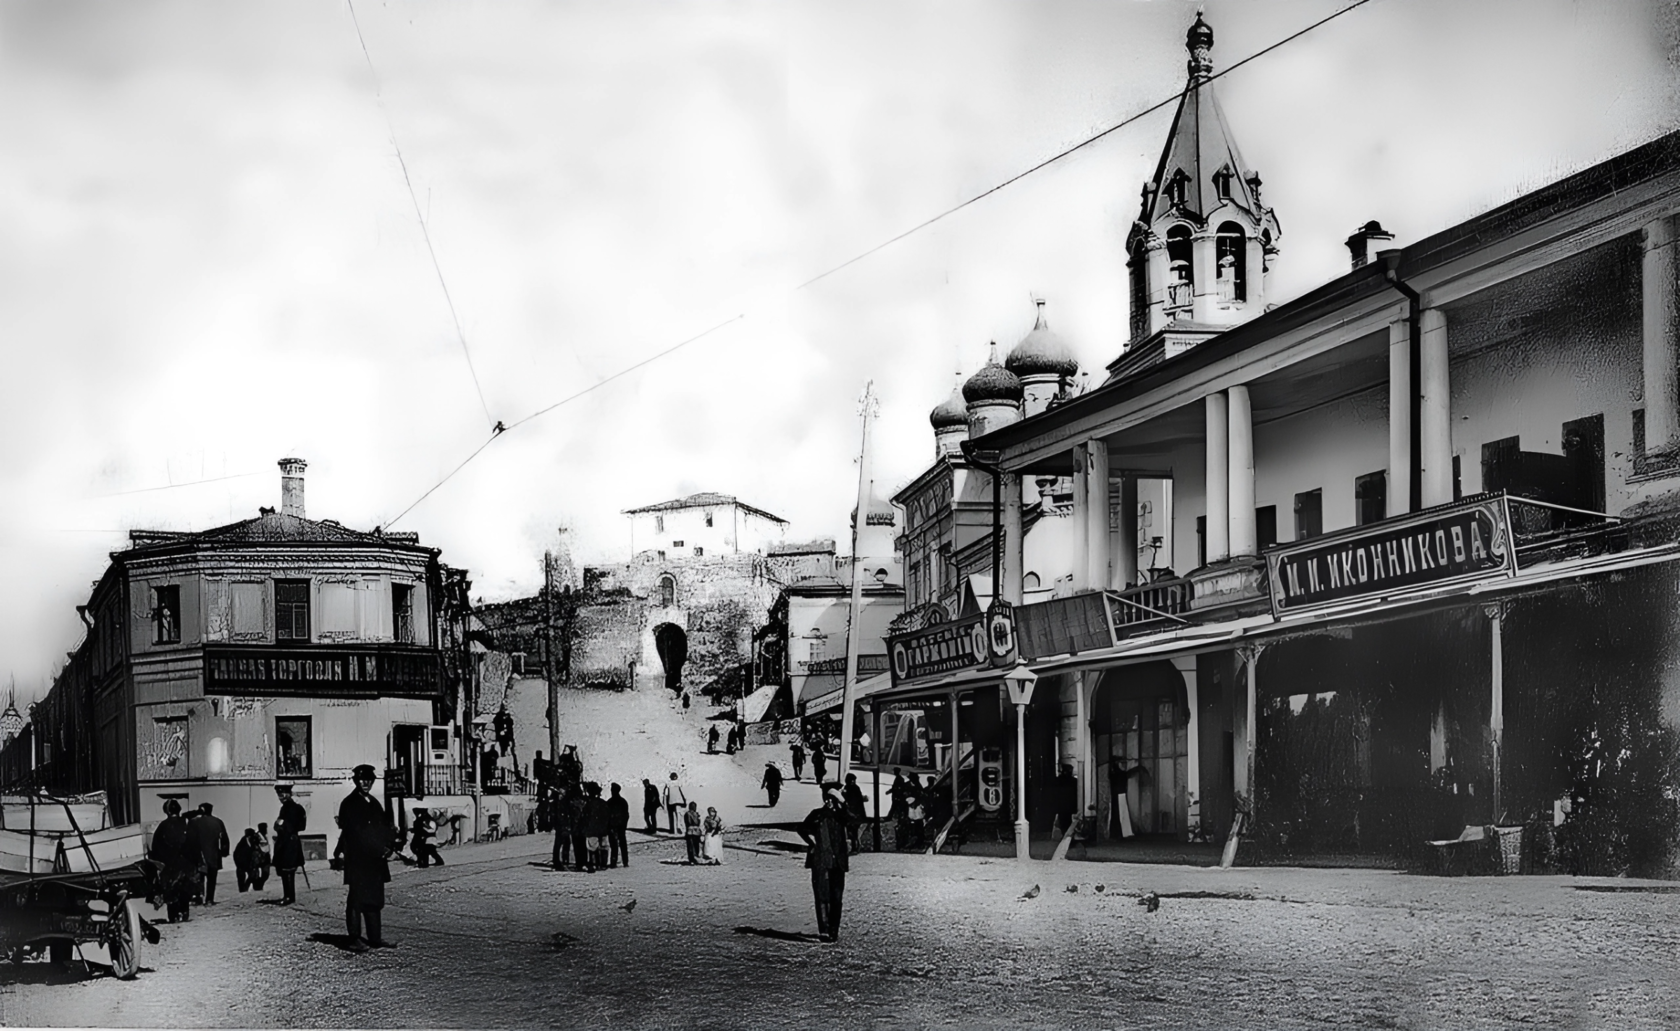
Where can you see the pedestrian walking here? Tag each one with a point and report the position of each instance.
(824, 830)
(819, 764)
(421, 841)
(618, 822)
(248, 861)
(798, 753)
(676, 800)
(565, 826)
(364, 844)
(711, 830)
(772, 783)
(650, 806)
(212, 837)
(288, 846)
(692, 830)
(914, 812)
(712, 740)
(178, 856)
(595, 825)
(855, 816)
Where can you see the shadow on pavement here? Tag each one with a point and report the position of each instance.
(337, 941)
(781, 936)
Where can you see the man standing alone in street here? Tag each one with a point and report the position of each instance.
(772, 783)
(212, 841)
(676, 800)
(288, 846)
(650, 806)
(824, 830)
(1067, 800)
(364, 843)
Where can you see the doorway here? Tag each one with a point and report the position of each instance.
(1140, 745)
(671, 644)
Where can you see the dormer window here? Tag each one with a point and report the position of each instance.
(1176, 188)
(1222, 182)
(1231, 263)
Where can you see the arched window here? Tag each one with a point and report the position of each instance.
(1230, 256)
(667, 591)
(1181, 272)
(1030, 582)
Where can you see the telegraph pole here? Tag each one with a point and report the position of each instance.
(548, 658)
(854, 636)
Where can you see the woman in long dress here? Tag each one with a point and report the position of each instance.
(712, 843)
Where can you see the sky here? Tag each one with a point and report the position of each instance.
(218, 226)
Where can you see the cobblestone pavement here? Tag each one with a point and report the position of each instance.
(494, 940)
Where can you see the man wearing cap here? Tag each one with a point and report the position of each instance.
(288, 845)
(364, 843)
(824, 830)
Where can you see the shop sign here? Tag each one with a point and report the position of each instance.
(1000, 632)
(945, 648)
(311, 672)
(1463, 543)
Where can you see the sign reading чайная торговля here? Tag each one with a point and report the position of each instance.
(1465, 542)
(367, 671)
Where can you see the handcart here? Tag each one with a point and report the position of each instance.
(68, 880)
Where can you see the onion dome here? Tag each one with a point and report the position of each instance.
(11, 722)
(881, 513)
(951, 411)
(1200, 36)
(1041, 352)
(992, 383)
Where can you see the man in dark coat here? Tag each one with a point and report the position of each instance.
(175, 851)
(618, 822)
(712, 740)
(650, 806)
(855, 810)
(798, 753)
(212, 840)
(772, 783)
(250, 857)
(565, 825)
(364, 843)
(825, 831)
(819, 763)
(288, 845)
(424, 837)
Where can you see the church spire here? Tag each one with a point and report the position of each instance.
(1203, 241)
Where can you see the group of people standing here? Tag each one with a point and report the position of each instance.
(736, 739)
(589, 831)
(189, 848)
(703, 835)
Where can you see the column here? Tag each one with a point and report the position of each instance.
(1186, 666)
(1125, 541)
(1434, 412)
(1081, 518)
(1155, 267)
(1203, 264)
(1013, 570)
(1496, 712)
(1661, 327)
(1399, 417)
(1218, 441)
(1240, 460)
(1096, 521)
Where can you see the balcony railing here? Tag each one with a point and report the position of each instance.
(1149, 607)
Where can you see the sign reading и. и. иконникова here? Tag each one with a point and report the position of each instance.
(1463, 542)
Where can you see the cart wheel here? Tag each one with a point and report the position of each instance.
(125, 942)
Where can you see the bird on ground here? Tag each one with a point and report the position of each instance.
(1073, 889)
(1031, 893)
(1100, 888)
(1151, 900)
(629, 907)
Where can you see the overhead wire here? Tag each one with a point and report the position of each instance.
(498, 428)
(425, 230)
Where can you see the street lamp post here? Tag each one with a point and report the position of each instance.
(1020, 681)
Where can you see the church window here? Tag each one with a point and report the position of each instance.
(667, 591)
(1222, 183)
(1230, 263)
(1176, 188)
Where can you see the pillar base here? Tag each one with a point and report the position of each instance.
(1023, 850)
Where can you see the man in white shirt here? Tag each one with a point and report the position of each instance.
(676, 800)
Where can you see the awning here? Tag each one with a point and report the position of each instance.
(865, 688)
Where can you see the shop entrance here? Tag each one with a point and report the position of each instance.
(1140, 747)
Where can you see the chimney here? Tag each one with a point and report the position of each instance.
(1359, 244)
(291, 486)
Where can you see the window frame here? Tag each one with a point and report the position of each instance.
(285, 610)
(402, 614)
(307, 769)
(166, 601)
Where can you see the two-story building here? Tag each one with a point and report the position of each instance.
(278, 648)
